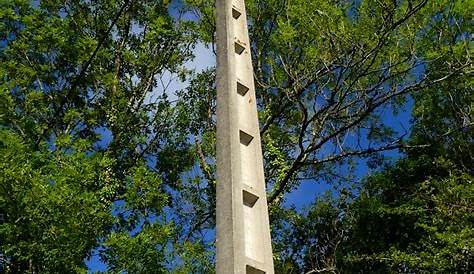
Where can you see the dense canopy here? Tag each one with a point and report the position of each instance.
(107, 135)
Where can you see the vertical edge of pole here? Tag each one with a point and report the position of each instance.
(229, 234)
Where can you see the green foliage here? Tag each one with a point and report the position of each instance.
(53, 205)
(414, 216)
(98, 157)
(83, 118)
(146, 249)
(195, 259)
(308, 241)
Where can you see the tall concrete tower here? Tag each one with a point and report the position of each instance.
(243, 230)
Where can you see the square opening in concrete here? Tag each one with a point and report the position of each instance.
(236, 13)
(239, 46)
(249, 198)
(245, 139)
(241, 88)
(252, 270)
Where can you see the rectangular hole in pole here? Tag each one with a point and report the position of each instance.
(241, 88)
(249, 198)
(245, 139)
(239, 46)
(236, 12)
(252, 270)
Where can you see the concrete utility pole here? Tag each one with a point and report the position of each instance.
(243, 230)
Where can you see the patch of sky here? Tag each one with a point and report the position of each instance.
(9, 37)
(353, 11)
(178, 12)
(169, 83)
(94, 263)
(398, 119)
(105, 137)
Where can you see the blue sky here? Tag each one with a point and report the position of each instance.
(309, 190)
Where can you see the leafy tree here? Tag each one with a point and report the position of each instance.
(416, 216)
(54, 206)
(310, 241)
(85, 120)
(413, 216)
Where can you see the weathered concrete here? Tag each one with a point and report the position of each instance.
(243, 231)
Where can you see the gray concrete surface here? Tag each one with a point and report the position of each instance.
(243, 232)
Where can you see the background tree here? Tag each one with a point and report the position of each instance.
(413, 216)
(84, 111)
